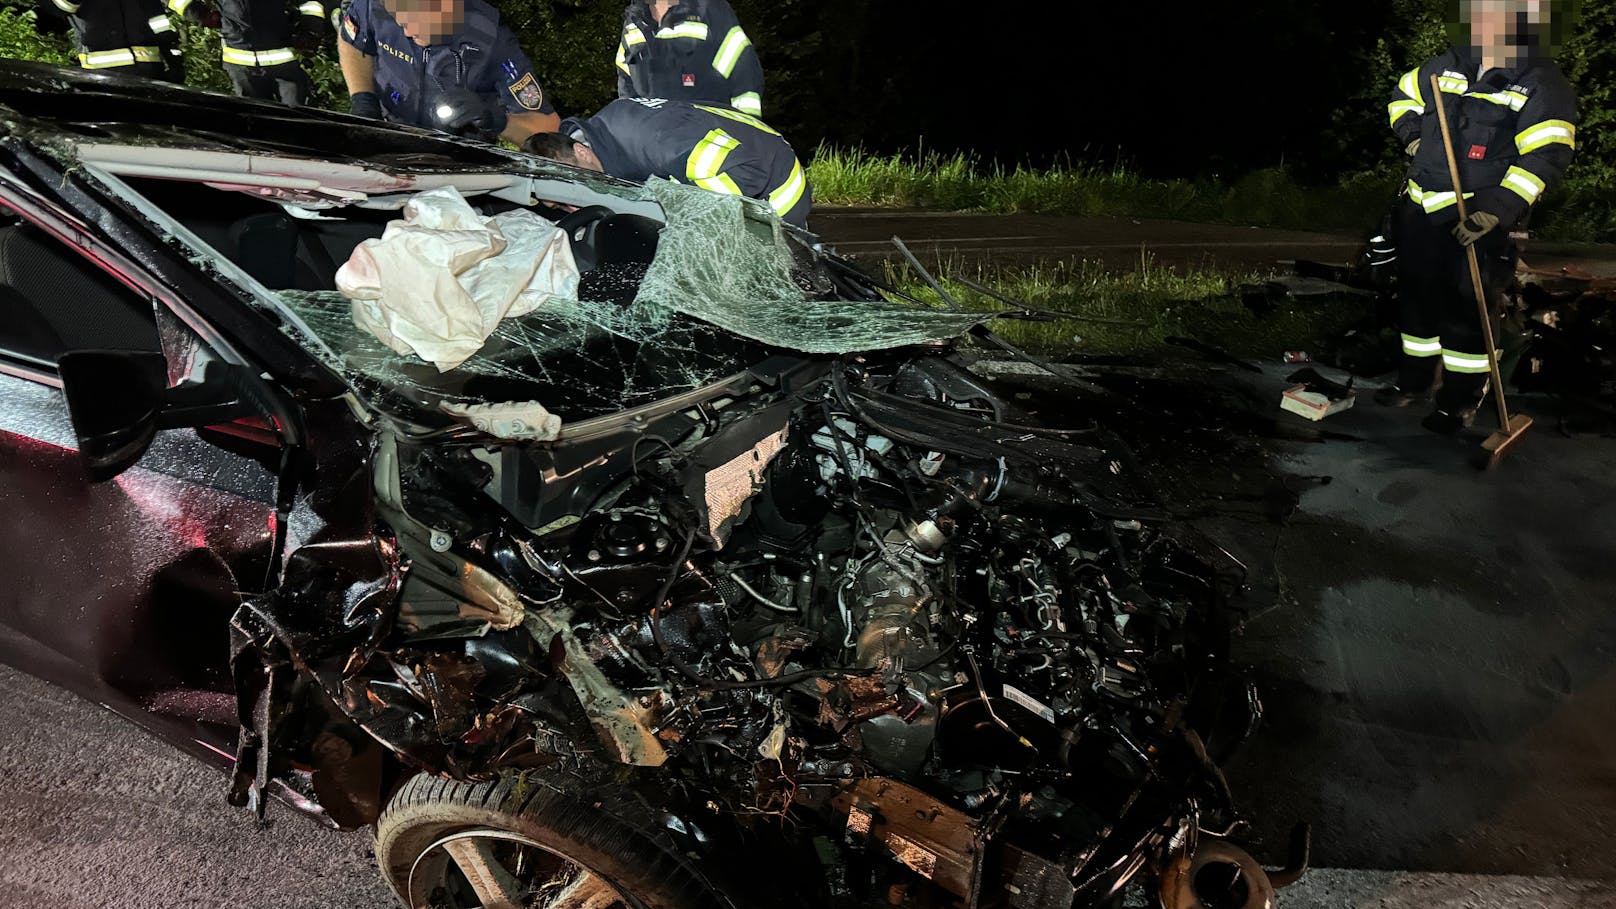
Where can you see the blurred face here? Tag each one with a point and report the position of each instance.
(428, 21)
(1499, 28)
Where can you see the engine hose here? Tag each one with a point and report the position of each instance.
(697, 678)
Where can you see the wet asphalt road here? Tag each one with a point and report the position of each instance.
(949, 240)
(95, 814)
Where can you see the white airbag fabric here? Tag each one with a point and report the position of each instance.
(439, 282)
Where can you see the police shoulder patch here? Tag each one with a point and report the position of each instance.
(528, 93)
(349, 27)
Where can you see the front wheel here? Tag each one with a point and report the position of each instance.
(522, 842)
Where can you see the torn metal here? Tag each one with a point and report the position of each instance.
(785, 570)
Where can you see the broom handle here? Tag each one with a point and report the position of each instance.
(1470, 253)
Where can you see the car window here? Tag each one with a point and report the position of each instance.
(53, 299)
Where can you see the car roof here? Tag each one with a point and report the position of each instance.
(41, 103)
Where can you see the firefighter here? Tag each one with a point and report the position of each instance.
(133, 37)
(263, 40)
(713, 147)
(448, 65)
(694, 50)
(1513, 117)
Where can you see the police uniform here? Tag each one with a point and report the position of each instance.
(698, 53)
(258, 51)
(1514, 134)
(712, 147)
(484, 57)
(125, 36)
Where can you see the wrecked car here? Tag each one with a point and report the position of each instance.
(721, 582)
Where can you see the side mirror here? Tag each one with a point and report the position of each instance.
(118, 400)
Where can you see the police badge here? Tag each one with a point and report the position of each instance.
(528, 93)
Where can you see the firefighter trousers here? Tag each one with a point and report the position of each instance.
(1438, 318)
(285, 82)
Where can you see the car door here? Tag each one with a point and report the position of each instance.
(120, 590)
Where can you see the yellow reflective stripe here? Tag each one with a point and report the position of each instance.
(786, 197)
(632, 36)
(123, 56)
(159, 24)
(1453, 83)
(1430, 201)
(275, 57)
(729, 53)
(179, 6)
(707, 158)
(1549, 132)
(748, 103)
(1421, 347)
(622, 60)
(1398, 109)
(697, 30)
(66, 7)
(720, 184)
(1453, 361)
(1410, 86)
(739, 117)
(312, 8)
(1512, 100)
(1524, 183)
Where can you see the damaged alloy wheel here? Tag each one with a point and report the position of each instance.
(519, 842)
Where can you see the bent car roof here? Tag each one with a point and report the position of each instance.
(41, 103)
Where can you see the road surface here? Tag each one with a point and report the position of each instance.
(954, 240)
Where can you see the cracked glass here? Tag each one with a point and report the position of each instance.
(722, 290)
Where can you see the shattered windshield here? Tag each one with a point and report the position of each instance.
(649, 308)
(721, 290)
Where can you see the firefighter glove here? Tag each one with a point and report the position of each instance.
(1473, 228)
(1413, 148)
(463, 112)
(366, 104)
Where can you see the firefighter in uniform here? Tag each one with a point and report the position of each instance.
(713, 147)
(694, 50)
(448, 65)
(134, 37)
(263, 40)
(1513, 117)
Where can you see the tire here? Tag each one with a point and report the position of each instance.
(632, 859)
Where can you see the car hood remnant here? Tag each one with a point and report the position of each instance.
(951, 651)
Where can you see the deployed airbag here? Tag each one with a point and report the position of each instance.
(439, 282)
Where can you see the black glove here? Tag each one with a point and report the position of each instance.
(366, 104)
(308, 34)
(463, 112)
(1473, 228)
(203, 13)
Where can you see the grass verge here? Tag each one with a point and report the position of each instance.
(1579, 211)
(1166, 302)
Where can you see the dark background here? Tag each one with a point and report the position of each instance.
(1169, 89)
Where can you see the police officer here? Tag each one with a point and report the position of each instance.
(713, 147)
(441, 64)
(689, 50)
(1513, 117)
(262, 42)
(133, 37)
